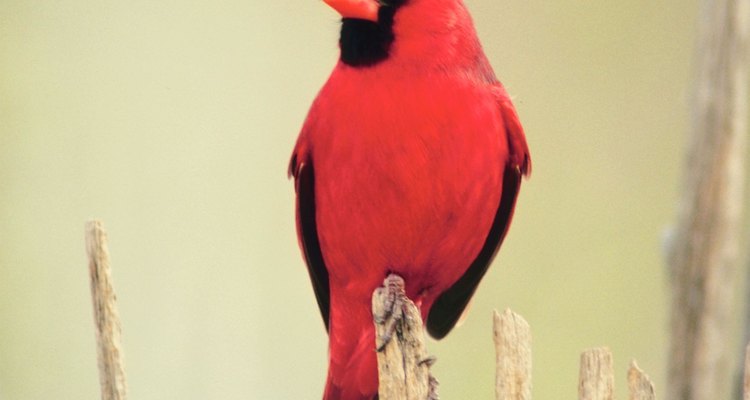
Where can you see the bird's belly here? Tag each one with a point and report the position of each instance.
(418, 205)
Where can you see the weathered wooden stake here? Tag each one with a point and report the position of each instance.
(111, 372)
(512, 356)
(703, 249)
(597, 378)
(403, 363)
(639, 384)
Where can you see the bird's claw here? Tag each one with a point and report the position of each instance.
(429, 361)
(394, 308)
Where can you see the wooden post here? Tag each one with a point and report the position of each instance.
(512, 356)
(639, 384)
(703, 251)
(403, 363)
(111, 372)
(597, 378)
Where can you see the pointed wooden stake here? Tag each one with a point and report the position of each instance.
(403, 363)
(111, 371)
(639, 384)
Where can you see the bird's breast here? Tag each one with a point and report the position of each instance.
(408, 180)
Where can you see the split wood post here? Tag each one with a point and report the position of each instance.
(111, 371)
(512, 356)
(597, 378)
(639, 384)
(703, 250)
(741, 384)
(403, 363)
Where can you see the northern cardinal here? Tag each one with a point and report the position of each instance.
(409, 163)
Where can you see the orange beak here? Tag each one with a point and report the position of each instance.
(360, 9)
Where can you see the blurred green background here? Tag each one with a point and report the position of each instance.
(173, 121)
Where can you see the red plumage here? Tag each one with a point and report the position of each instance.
(408, 165)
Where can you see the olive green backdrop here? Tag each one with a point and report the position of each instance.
(173, 121)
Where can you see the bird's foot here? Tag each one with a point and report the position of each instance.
(429, 361)
(393, 311)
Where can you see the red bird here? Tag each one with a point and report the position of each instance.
(409, 162)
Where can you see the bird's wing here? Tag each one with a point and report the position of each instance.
(447, 309)
(307, 232)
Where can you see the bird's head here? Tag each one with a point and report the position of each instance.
(372, 31)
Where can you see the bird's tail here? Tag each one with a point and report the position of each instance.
(352, 367)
